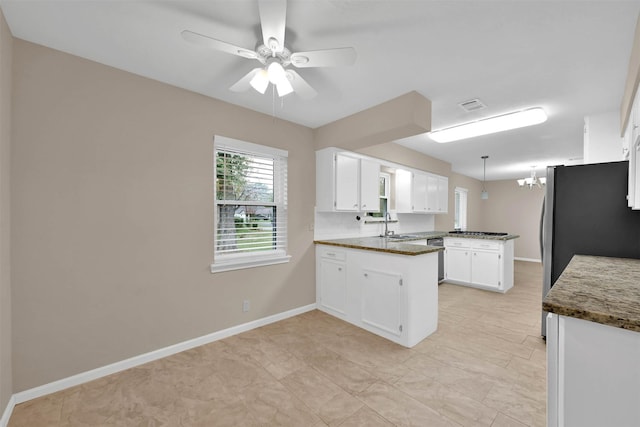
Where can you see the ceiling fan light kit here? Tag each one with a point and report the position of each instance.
(515, 120)
(275, 56)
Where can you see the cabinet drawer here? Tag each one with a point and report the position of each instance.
(330, 253)
(457, 243)
(486, 245)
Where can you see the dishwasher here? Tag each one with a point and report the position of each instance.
(438, 241)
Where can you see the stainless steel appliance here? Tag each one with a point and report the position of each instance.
(438, 241)
(585, 212)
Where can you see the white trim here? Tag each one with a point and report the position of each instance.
(239, 264)
(132, 362)
(6, 415)
(222, 142)
(527, 259)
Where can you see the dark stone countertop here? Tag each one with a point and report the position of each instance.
(599, 289)
(382, 244)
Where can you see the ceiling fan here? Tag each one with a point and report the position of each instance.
(274, 55)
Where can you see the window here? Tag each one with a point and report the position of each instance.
(384, 184)
(250, 205)
(460, 215)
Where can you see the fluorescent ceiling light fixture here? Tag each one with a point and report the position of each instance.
(518, 119)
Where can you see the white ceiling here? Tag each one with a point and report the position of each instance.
(570, 57)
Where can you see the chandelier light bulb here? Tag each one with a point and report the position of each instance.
(284, 87)
(276, 73)
(260, 81)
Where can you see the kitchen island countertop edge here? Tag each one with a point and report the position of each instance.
(598, 289)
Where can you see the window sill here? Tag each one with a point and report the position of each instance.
(240, 264)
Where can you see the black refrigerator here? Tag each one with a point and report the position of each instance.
(585, 212)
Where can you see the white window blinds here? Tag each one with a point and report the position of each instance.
(250, 202)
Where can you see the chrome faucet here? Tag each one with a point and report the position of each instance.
(387, 218)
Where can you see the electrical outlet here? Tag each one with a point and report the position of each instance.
(246, 305)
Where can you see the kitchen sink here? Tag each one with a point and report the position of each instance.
(478, 233)
(400, 236)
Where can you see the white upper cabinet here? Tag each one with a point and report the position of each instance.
(347, 179)
(421, 192)
(369, 185)
(346, 182)
(437, 194)
(350, 182)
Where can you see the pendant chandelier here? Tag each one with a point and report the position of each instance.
(485, 194)
(533, 180)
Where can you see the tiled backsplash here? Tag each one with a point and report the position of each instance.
(336, 225)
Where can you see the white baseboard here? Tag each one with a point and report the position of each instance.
(527, 259)
(4, 421)
(132, 362)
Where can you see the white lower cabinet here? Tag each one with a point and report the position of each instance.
(391, 295)
(333, 274)
(481, 263)
(593, 374)
(382, 296)
(458, 264)
(486, 266)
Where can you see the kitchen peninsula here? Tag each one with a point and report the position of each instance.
(386, 286)
(389, 285)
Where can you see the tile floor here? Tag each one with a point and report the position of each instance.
(485, 366)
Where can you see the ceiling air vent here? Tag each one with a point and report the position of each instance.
(472, 105)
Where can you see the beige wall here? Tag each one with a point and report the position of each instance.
(113, 216)
(475, 219)
(401, 117)
(517, 211)
(6, 44)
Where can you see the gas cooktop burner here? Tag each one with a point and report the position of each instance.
(478, 233)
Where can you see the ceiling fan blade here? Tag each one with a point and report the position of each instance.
(324, 58)
(273, 16)
(211, 43)
(244, 83)
(300, 86)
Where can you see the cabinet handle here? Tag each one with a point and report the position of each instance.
(339, 268)
(366, 275)
(331, 254)
(364, 206)
(355, 206)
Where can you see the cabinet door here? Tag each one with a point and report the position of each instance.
(485, 268)
(419, 192)
(458, 264)
(432, 194)
(347, 181)
(333, 285)
(443, 194)
(369, 186)
(403, 194)
(382, 301)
